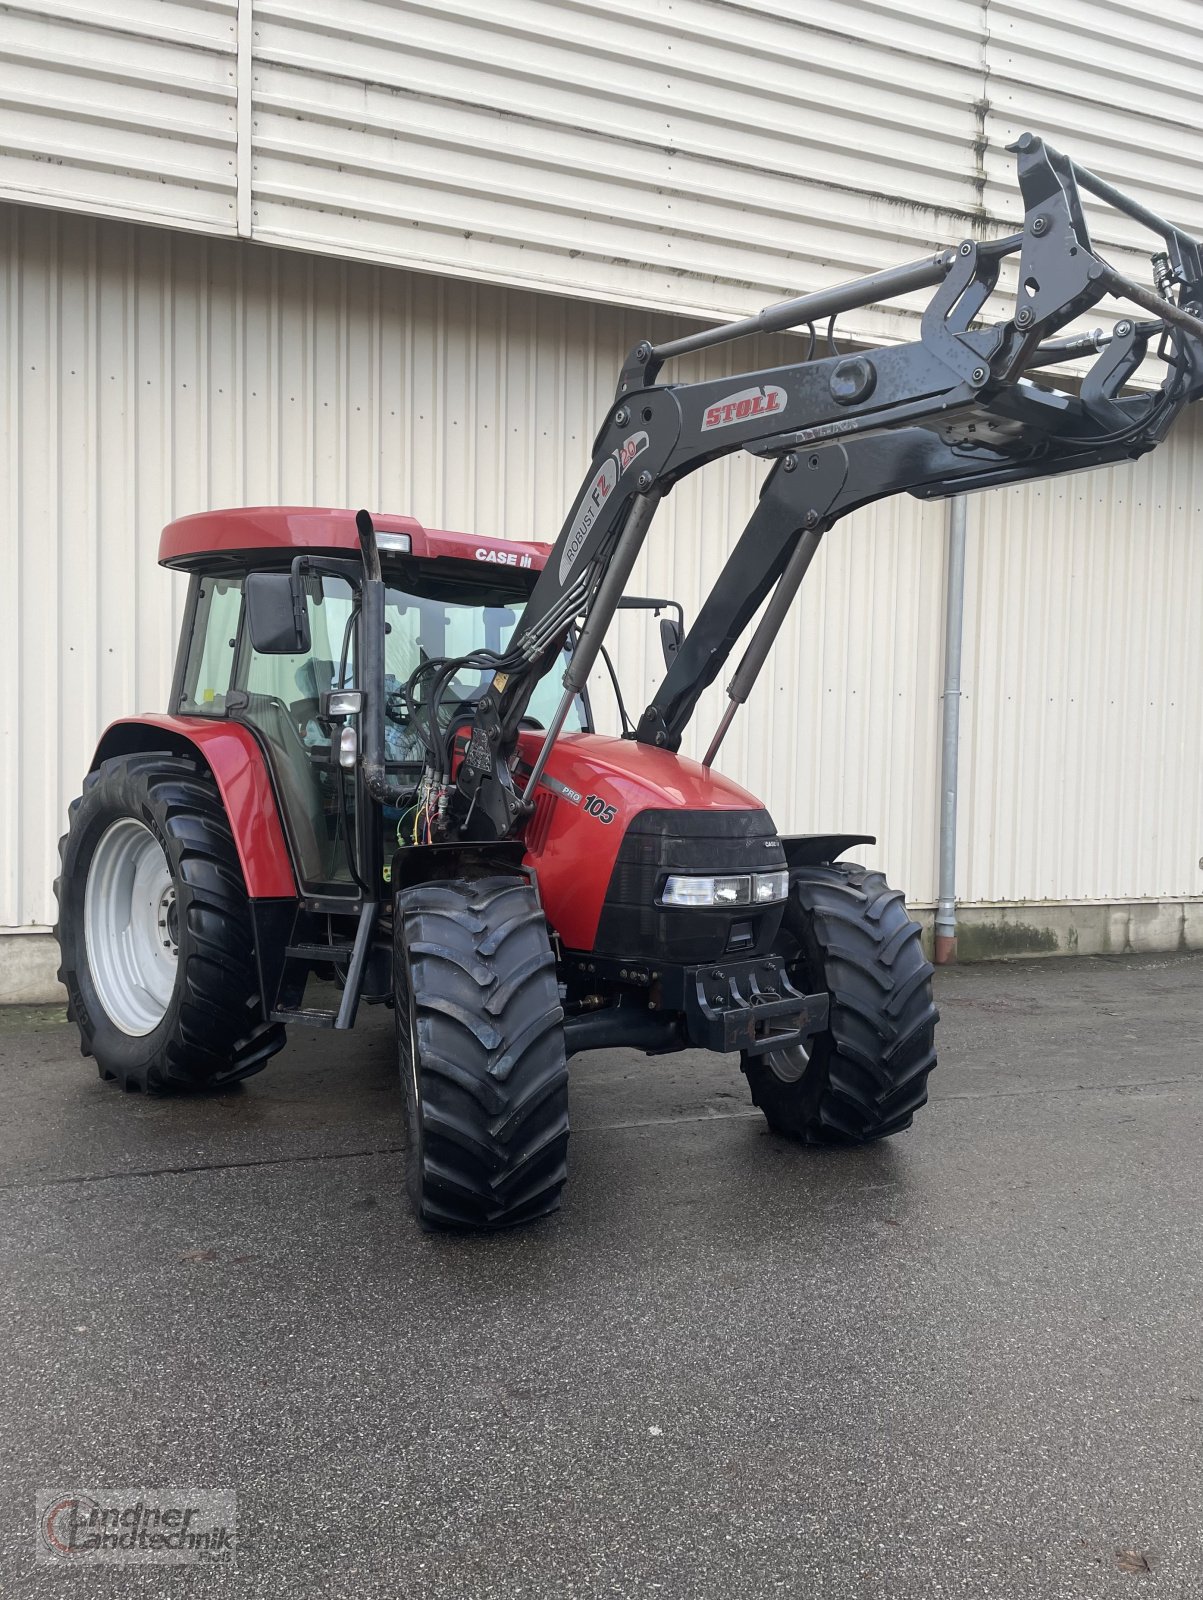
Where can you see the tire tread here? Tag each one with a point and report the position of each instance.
(218, 1034)
(868, 1073)
(475, 971)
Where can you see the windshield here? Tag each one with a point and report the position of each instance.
(448, 619)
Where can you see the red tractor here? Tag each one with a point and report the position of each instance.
(378, 776)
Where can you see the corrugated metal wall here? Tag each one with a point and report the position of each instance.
(1117, 86)
(1082, 771)
(150, 374)
(122, 107)
(697, 155)
(710, 157)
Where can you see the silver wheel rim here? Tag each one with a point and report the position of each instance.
(789, 1065)
(130, 928)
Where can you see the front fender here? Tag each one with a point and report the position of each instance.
(240, 772)
(820, 849)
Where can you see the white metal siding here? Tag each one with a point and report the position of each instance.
(705, 156)
(1082, 761)
(150, 374)
(1117, 86)
(121, 108)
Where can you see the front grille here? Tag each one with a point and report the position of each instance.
(657, 843)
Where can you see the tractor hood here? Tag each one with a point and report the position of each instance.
(635, 776)
(606, 803)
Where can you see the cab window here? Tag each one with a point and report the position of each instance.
(283, 703)
(210, 663)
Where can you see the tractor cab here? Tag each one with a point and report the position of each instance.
(272, 633)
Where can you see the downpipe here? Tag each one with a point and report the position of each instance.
(950, 735)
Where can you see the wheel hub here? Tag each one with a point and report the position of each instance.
(167, 922)
(789, 1065)
(131, 927)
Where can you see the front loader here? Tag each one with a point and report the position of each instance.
(378, 779)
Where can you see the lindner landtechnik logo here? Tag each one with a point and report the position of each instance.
(145, 1526)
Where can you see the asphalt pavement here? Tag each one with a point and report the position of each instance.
(966, 1362)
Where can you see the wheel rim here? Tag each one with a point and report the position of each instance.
(789, 1065)
(131, 931)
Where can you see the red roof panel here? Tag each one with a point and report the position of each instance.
(191, 541)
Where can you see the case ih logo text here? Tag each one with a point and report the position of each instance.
(503, 558)
(741, 407)
(596, 495)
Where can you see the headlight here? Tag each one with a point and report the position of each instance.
(742, 889)
(691, 891)
(770, 886)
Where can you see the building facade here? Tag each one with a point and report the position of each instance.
(276, 251)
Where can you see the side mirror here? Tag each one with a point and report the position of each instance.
(275, 614)
(672, 630)
(670, 639)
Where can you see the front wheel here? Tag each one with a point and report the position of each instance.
(480, 1045)
(846, 931)
(154, 927)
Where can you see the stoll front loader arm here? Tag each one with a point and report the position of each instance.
(951, 411)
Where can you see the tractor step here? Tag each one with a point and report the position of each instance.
(319, 952)
(305, 1016)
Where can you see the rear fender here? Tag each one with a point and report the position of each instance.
(240, 772)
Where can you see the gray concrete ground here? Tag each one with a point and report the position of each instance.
(967, 1362)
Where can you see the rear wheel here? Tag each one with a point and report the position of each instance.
(865, 1076)
(155, 930)
(480, 1044)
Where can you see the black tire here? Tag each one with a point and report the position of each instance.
(847, 931)
(480, 1044)
(213, 1031)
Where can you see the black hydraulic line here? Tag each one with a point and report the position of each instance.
(1053, 351)
(610, 590)
(1165, 310)
(601, 614)
(767, 629)
(817, 307)
(627, 725)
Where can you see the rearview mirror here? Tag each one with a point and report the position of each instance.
(276, 615)
(672, 629)
(670, 639)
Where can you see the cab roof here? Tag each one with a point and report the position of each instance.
(194, 542)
